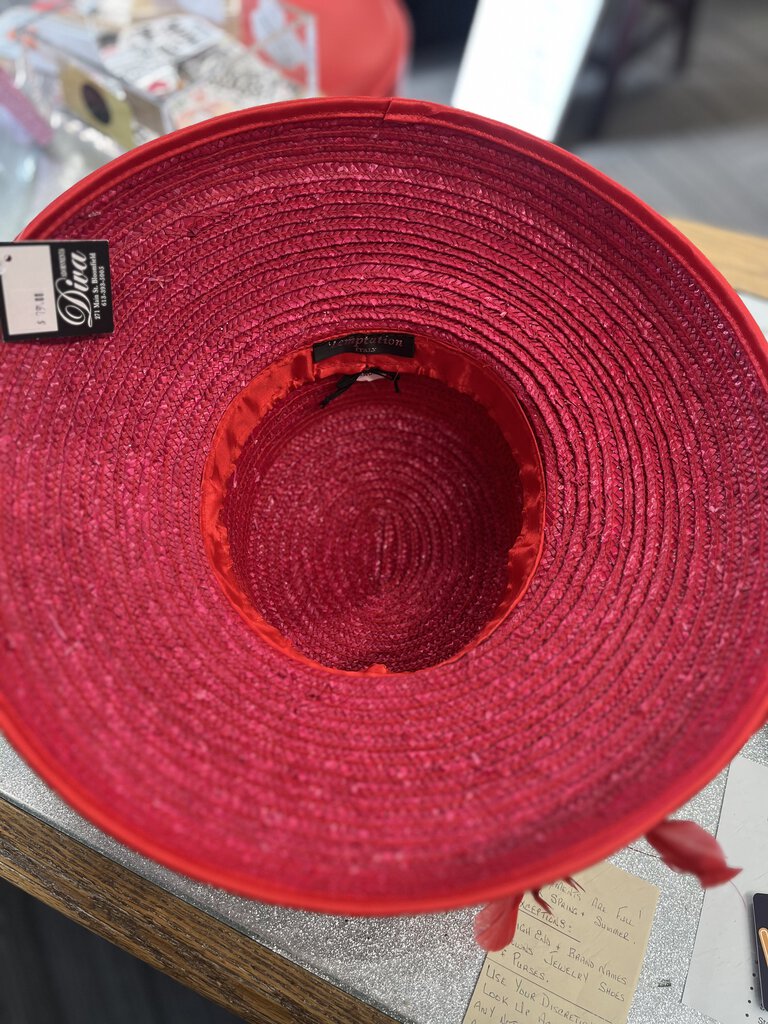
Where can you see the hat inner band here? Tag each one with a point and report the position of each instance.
(372, 528)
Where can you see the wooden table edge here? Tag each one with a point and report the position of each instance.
(742, 259)
(193, 947)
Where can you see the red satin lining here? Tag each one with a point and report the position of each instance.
(434, 359)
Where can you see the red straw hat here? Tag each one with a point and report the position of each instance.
(409, 641)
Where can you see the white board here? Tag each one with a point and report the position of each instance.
(522, 58)
(721, 979)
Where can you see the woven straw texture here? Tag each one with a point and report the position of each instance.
(634, 665)
(376, 531)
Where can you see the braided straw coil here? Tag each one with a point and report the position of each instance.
(407, 650)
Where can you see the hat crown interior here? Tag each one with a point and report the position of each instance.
(374, 521)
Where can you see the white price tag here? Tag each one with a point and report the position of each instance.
(26, 276)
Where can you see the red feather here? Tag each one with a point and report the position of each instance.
(685, 846)
(495, 924)
(536, 893)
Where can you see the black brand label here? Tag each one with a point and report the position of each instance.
(54, 289)
(373, 344)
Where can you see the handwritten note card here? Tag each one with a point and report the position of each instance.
(580, 964)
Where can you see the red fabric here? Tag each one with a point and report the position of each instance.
(401, 623)
(634, 667)
(362, 48)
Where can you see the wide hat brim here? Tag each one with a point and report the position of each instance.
(630, 672)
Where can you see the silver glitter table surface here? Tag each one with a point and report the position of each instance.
(423, 968)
